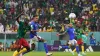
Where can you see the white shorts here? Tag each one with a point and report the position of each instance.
(73, 42)
(35, 39)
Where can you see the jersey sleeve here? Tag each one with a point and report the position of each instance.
(33, 26)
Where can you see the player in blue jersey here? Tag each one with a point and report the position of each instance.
(71, 32)
(34, 37)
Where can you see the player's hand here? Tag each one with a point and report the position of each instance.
(57, 34)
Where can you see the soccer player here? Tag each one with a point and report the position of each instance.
(33, 34)
(79, 33)
(23, 28)
(84, 38)
(71, 31)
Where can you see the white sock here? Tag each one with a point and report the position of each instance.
(87, 50)
(70, 50)
(90, 48)
(66, 50)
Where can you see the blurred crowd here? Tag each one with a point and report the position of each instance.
(9, 46)
(1, 46)
(53, 14)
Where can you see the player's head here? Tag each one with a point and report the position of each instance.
(35, 18)
(70, 25)
(85, 33)
(78, 24)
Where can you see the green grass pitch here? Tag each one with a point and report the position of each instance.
(54, 54)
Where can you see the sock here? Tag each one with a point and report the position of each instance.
(30, 43)
(15, 53)
(30, 46)
(74, 50)
(77, 49)
(87, 50)
(70, 50)
(45, 47)
(66, 47)
(66, 50)
(23, 50)
(82, 47)
(90, 48)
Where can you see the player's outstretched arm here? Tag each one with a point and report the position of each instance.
(17, 18)
(61, 33)
(32, 29)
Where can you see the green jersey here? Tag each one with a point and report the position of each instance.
(22, 29)
(79, 33)
(84, 38)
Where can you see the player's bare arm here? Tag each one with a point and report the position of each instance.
(17, 18)
(61, 33)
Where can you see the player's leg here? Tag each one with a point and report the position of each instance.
(77, 47)
(80, 42)
(16, 53)
(67, 47)
(29, 50)
(74, 50)
(32, 42)
(25, 45)
(45, 45)
(31, 45)
(85, 46)
(82, 47)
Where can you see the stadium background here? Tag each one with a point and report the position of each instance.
(53, 15)
(53, 40)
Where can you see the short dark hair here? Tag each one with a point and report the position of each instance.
(35, 16)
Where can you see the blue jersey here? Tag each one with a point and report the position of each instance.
(71, 33)
(34, 26)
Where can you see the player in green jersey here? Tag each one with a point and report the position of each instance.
(79, 32)
(22, 30)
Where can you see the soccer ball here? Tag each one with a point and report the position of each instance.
(72, 15)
